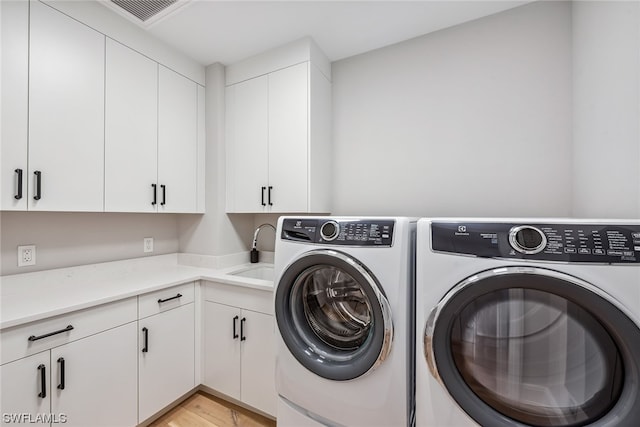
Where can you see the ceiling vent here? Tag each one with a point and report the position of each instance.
(145, 12)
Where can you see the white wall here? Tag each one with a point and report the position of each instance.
(69, 239)
(474, 120)
(606, 94)
(215, 232)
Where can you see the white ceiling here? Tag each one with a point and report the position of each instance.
(228, 31)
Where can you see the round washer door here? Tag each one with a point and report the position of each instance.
(333, 315)
(535, 347)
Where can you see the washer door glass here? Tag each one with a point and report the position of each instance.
(335, 306)
(332, 315)
(534, 347)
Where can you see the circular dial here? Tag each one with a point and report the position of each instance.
(329, 230)
(527, 239)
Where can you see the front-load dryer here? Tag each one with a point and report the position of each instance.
(527, 323)
(344, 303)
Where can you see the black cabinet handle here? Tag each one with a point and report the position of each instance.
(242, 337)
(18, 195)
(164, 195)
(36, 338)
(262, 199)
(61, 363)
(160, 301)
(38, 175)
(235, 322)
(145, 331)
(155, 194)
(43, 381)
(269, 195)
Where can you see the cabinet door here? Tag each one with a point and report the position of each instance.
(247, 145)
(22, 391)
(166, 369)
(14, 28)
(98, 387)
(288, 138)
(66, 112)
(259, 362)
(131, 130)
(222, 348)
(177, 142)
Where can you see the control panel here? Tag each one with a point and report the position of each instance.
(334, 231)
(587, 243)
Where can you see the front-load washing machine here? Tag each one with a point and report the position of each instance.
(344, 303)
(527, 323)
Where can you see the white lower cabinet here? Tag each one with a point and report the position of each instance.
(166, 348)
(93, 379)
(239, 345)
(78, 369)
(25, 389)
(119, 364)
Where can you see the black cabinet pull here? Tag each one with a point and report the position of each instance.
(235, 322)
(160, 301)
(43, 381)
(164, 195)
(61, 363)
(155, 194)
(38, 175)
(18, 195)
(36, 338)
(262, 199)
(145, 331)
(269, 195)
(242, 337)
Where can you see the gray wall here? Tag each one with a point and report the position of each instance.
(474, 120)
(606, 93)
(69, 239)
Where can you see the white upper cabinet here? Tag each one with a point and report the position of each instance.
(131, 130)
(14, 27)
(154, 138)
(91, 125)
(177, 143)
(66, 113)
(278, 128)
(288, 139)
(247, 145)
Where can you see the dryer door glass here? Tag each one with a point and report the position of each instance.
(537, 357)
(535, 347)
(332, 315)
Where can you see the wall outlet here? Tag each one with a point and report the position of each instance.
(148, 244)
(26, 255)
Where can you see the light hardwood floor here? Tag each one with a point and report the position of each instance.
(205, 410)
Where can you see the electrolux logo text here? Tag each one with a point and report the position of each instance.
(462, 231)
(26, 418)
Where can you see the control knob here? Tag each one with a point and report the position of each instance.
(329, 230)
(527, 239)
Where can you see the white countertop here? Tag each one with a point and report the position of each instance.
(35, 296)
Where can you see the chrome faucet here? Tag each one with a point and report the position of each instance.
(254, 250)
